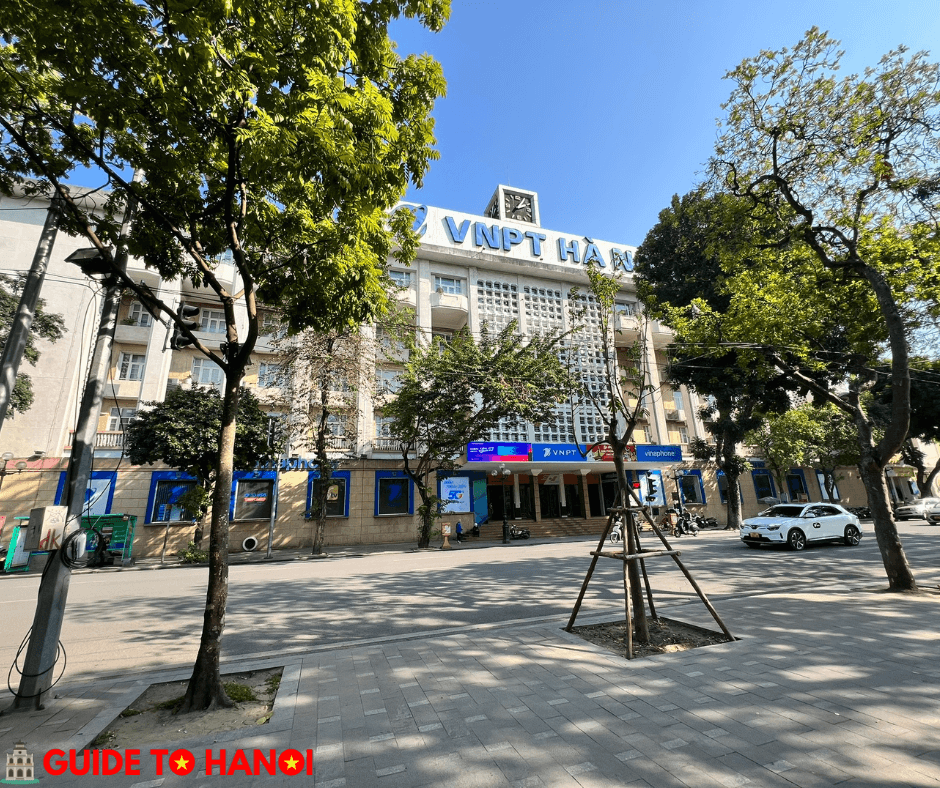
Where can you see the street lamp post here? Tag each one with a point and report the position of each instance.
(503, 472)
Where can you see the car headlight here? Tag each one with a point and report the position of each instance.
(773, 527)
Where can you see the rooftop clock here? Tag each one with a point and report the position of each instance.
(518, 206)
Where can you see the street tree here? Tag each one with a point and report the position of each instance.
(845, 170)
(678, 265)
(783, 442)
(458, 391)
(275, 134)
(832, 443)
(613, 392)
(183, 433)
(46, 325)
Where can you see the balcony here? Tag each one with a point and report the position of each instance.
(132, 334)
(386, 445)
(449, 310)
(109, 440)
(662, 334)
(628, 329)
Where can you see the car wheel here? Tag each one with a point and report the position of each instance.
(796, 539)
(852, 535)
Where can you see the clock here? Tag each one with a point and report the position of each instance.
(518, 206)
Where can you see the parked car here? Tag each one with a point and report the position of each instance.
(915, 510)
(797, 524)
(933, 514)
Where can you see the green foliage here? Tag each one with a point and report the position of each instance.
(783, 442)
(272, 683)
(183, 432)
(456, 392)
(193, 555)
(240, 693)
(45, 325)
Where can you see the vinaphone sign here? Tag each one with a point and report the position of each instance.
(518, 240)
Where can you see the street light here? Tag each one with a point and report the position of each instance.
(504, 472)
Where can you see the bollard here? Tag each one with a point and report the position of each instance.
(445, 530)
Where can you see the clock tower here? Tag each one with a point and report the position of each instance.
(513, 204)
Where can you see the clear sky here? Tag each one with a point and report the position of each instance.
(607, 108)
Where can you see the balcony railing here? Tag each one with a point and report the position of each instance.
(109, 440)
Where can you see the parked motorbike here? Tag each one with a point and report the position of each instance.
(686, 525)
(515, 532)
(616, 531)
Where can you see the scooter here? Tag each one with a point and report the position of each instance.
(515, 532)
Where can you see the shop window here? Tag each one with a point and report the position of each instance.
(393, 494)
(820, 477)
(690, 484)
(99, 495)
(337, 493)
(166, 489)
(796, 486)
(763, 484)
(253, 499)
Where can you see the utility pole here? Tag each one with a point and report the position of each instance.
(19, 331)
(39, 664)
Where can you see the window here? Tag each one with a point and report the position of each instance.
(763, 484)
(683, 435)
(626, 309)
(796, 486)
(387, 381)
(723, 487)
(383, 427)
(131, 366)
(270, 375)
(166, 508)
(139, 315)
(207, 373)
(690, 485)
(393, 495)
(639, 434)
(677, 400)
(337, 381)
(212, 321)
(120, 418)
(446, 284)
(253, 499)
(336, 425)
(400, 278)
(821, 478)
(337, 493)
(271, 324)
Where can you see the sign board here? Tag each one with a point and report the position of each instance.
(498, 451)
(455, 495)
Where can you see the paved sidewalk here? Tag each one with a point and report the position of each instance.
(834, 687)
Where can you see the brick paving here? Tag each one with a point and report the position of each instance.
(834, 687)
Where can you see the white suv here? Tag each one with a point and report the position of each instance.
(796, 524)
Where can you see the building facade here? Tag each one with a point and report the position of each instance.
(471, 269)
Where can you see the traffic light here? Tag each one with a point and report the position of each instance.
(186, 313)
(652, 487)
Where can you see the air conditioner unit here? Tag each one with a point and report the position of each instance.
(675, 415)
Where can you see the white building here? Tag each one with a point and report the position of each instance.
(493, 267)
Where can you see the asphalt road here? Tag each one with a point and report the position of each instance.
(118, 621)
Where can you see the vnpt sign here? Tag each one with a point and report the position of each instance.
(484, 236)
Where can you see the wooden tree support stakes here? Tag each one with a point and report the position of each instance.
(640, 555)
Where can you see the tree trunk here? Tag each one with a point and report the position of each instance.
(205, 690)
(640, 621)
(734, 500)
(323, 464)
(427, 516)
(900, 576)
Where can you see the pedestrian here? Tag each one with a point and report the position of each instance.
(459, 531)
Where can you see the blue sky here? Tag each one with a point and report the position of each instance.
(607, 108)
